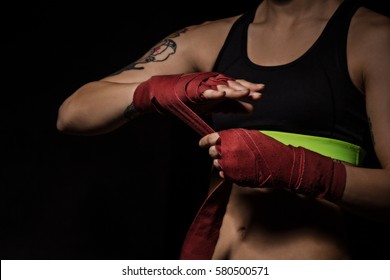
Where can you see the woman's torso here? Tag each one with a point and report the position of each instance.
(308, 90)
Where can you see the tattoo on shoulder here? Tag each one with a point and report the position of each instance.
(160, 52)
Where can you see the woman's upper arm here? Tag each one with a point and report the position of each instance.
(190, 49)
(376, 78)
(98, 106)
(367, 190)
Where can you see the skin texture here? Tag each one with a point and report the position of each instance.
(247, 232)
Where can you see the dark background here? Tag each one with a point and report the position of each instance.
(130, 194)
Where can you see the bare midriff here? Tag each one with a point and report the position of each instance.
(265, 223)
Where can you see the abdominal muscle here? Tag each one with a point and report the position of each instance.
(264, 223)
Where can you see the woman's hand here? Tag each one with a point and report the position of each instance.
(209, 142)
(203, 92)
(251, 158)
(229, 98)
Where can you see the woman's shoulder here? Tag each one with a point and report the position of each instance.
(370, 32)
(212, 30)
(368, 21)
(204, 41)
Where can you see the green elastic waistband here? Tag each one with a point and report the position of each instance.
(336, 149)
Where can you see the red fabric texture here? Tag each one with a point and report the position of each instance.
(176, 94)
(179, 95)
(251, 158)
(203, 234)
(247, 157)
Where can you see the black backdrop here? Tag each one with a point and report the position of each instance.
(129, 194)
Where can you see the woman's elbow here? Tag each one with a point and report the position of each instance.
(67, 118)
(62, 124)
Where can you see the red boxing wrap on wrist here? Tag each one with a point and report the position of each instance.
(251, 158)
(157, 93)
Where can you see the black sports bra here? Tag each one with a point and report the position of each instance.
(312, 95)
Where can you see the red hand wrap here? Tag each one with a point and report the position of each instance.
(251, 158)
(158, 92)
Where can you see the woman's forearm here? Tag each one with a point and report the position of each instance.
(95, 108)
(367, 192)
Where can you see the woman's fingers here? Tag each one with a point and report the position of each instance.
(235, 90)
(243, 88)
(209, 140)
(249, 85)
(213, 152)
